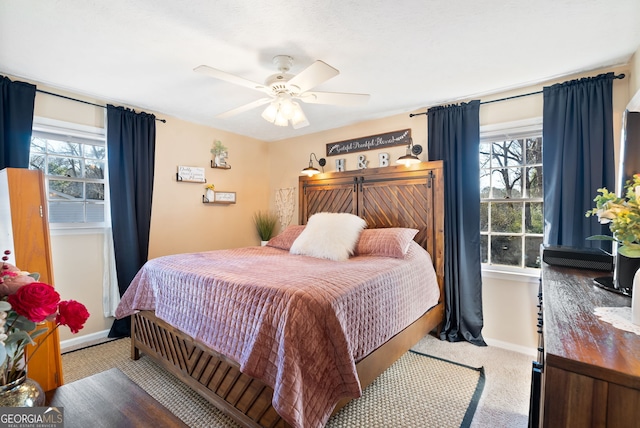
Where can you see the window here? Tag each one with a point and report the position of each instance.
(511, 205)
(74, 163)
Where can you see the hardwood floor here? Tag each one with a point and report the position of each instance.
(109, 399)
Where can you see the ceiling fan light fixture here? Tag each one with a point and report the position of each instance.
(287, 108)
(271, 112)
(298, 120)
(281, 120)
(283, 89)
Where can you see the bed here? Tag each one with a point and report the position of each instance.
(289, 355)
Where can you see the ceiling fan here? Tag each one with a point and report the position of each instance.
(284, 89)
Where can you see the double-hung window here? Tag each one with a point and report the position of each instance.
(74, 163)
(511, 204)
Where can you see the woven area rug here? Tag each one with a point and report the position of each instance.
(417, 391)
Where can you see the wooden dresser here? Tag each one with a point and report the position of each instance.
(590, 369)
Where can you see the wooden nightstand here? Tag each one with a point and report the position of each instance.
(109, 399)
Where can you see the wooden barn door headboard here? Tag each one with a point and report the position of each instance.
(394, 196)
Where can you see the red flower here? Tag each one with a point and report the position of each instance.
(72, 314)
(35, 301)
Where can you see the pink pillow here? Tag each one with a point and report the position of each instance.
(386, 242)
(285, 239)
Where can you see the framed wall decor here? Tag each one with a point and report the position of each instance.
(224, 197)
(371, 142)
(191, 174)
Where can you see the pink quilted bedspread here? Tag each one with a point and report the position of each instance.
(298, 323)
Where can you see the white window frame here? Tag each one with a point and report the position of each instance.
(510, 130)
(83, 132)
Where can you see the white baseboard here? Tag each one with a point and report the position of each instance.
(511, 347)
(83, 340)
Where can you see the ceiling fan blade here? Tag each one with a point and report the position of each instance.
(244, 108)
(312, 76)
(231, 78)
(335, 98)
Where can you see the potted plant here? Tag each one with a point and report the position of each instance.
(219, 152)
(265, 222)
(622, 214)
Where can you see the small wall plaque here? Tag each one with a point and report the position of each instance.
(224, 197)
(191, 173)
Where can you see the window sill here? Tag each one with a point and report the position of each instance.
(529, 276)
(62, 231)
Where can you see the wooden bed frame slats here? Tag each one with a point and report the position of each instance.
(394, 196)
(332, 200)
(217, 378)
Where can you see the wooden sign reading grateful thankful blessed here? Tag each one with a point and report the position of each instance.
(372, 142)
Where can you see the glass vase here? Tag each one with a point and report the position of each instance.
(22, 392)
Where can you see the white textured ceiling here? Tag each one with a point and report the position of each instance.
(407, 54)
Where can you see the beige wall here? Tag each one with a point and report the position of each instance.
(634, 78)
(181, 223)
(288, 157)
(634, 82)
(77, 271)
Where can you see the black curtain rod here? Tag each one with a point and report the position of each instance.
(618, 76)
(82, 101)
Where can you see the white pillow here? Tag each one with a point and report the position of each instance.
(330, 236)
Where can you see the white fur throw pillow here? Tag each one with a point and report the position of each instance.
(330, 236)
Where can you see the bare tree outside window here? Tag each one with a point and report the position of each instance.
(75, 176)
(511, 214)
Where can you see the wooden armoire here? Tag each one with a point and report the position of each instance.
(24, 230)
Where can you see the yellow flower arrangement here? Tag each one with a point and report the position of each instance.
(622, 215)
(209, 186)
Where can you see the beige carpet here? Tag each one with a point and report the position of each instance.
(417, 391)
(505, 399)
